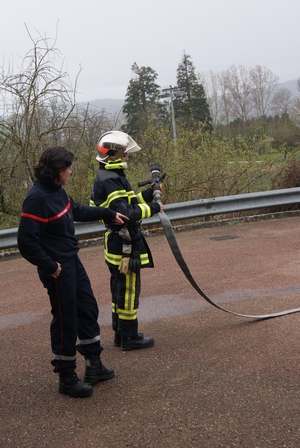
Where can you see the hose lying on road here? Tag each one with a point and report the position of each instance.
(182, 264)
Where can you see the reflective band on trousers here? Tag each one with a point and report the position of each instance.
(124, 314)
(89, 341)
(127, 315)
(64, 358)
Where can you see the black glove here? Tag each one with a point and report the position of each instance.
(135, 262)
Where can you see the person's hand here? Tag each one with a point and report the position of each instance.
(152, 185)
(119, 219)
(56, 274)
(161, 206)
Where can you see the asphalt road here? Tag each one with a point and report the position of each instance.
(211, 380)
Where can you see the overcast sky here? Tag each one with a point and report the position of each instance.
(106, 37)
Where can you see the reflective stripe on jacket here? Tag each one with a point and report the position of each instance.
(112, 190)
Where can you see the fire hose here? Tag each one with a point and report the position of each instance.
(156, 180)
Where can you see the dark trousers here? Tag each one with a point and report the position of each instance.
(125, 291)
(75, 314)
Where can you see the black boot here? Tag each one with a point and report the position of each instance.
(117, 338)
(70, 384)
(95, 371)
(135, 343)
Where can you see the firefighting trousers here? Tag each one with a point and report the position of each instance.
(125, 291)
(75, 314)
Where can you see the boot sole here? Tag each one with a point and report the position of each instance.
(137, 347)
(119, 342)
(75, 394)
(92, 381)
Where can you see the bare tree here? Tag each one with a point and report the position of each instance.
(237, 82)
(295, 114)
(239, 93)
(37, 100)
(27, 98)
(263, 87)
(212, 83)
(282, 102)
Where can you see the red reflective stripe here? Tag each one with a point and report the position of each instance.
(36, 218)
(61, 213)
(53, 218)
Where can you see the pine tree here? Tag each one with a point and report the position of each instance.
(142, 101)
(191, 105)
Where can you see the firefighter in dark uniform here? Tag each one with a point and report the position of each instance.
(46, 239)
(125, 248)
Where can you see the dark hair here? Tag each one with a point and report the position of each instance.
(116, 151)
(52, 161)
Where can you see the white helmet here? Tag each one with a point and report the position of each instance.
(111, 142)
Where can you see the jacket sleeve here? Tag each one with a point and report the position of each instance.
(86, 213)
(29, 236)
(117, 195)
(146, 195)
(134, 211)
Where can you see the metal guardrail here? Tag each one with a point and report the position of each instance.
(188, 210)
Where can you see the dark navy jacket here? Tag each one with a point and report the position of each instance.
(46, 233)
(112, 190)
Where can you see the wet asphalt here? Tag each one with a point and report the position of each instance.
(212, 379)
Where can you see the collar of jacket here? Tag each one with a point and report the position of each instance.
(48, 185)
(116, 165)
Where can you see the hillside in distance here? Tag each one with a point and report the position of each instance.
(290, 85)
(114, 106)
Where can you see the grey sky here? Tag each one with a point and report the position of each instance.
(107, 37)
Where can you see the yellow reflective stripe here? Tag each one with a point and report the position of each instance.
(140, 198)
(131, 195)
(129, 312)
(144, 258)
(116, 259)
(116, 195)
(112, 258)
(106, 235)
(146, 210)
(114, 308)
(104, 204)
(127, 315)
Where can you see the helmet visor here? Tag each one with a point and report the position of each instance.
(117, 138)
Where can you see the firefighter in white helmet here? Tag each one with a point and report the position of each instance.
(126, 250)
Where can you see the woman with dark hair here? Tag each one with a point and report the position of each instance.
(46, 238)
